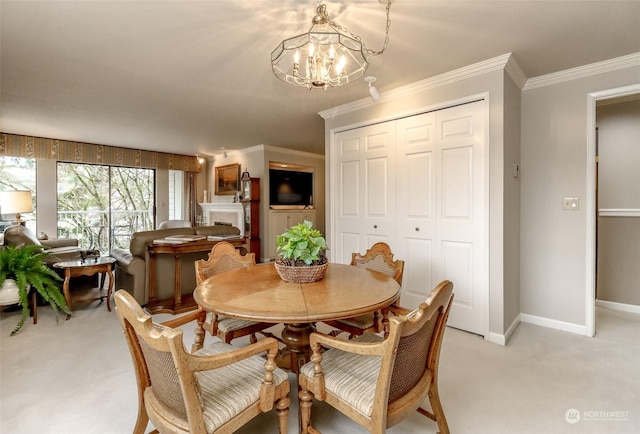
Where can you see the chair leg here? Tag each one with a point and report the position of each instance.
(438, 411)
(305, 397)
(199, 338)
(143, 419)
(282, 410)
(252, 338)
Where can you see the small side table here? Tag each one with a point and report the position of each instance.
(88, 267)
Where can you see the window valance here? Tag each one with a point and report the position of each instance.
(14, 145)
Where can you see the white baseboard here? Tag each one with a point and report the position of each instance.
(554, 324)
(512, 328)
(618, 306)
(496, 338)
(503, 339)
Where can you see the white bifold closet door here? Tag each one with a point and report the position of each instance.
(420, 185)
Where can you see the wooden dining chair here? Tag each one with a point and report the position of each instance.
(224, 257)
(378, 382)
(216, 389)
(377, 258)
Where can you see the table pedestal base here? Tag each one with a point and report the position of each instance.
(297, 351)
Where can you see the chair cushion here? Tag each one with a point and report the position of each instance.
(227, 391)
(350, 377)
(227, 324)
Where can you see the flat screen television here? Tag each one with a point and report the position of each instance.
(290, 188)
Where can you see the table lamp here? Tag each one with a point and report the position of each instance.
(16, 202)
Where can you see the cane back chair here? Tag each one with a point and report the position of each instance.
(378, 382)
(224, 257)
(377, 258)
(216, 389)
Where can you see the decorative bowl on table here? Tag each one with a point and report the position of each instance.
(301, 254)
(301, 273)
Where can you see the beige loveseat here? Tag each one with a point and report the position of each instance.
(132, 266)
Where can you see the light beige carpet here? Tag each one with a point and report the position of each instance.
(76, 376)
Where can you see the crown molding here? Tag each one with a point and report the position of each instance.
(490, 65)
(291, 151)
(515, 72)
(592, 69)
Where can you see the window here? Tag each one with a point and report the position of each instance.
(102, 206)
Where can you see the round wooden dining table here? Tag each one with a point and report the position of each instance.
(257, 293)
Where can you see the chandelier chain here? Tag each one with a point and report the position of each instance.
(322, 10)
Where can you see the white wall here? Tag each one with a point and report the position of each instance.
(553, 265)
(511, 223)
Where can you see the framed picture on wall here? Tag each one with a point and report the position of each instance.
(227, 179)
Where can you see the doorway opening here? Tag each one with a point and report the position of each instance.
(591, 202)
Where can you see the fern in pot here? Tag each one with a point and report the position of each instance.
(25, 266)
(301, 256)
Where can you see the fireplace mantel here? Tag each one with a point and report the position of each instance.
(224, 212)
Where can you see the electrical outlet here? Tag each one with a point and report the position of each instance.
(570, 203)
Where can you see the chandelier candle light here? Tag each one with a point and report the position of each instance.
(330, 54)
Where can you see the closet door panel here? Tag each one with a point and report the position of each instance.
(416, 191)
(418, 268)
(365, 189)
(349, 242)
(457, 261)
(350, 182)
(456, 192)
(462, 224)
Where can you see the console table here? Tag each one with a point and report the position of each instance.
(179, 303)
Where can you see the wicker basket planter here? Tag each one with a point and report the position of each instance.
(301, 274)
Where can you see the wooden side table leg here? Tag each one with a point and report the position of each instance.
(152, 277)
(65, 289)
(110, 274)
(177, 294)
(34, 306)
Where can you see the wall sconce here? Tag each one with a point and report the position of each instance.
(201, 160)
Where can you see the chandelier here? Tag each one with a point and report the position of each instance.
(327, 55)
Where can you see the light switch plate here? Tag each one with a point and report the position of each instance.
(570, 203)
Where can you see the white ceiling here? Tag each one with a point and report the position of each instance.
(194, 76)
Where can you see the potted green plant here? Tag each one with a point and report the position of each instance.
(26, 267)
(301, 256)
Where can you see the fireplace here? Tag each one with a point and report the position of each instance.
(224, 214)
